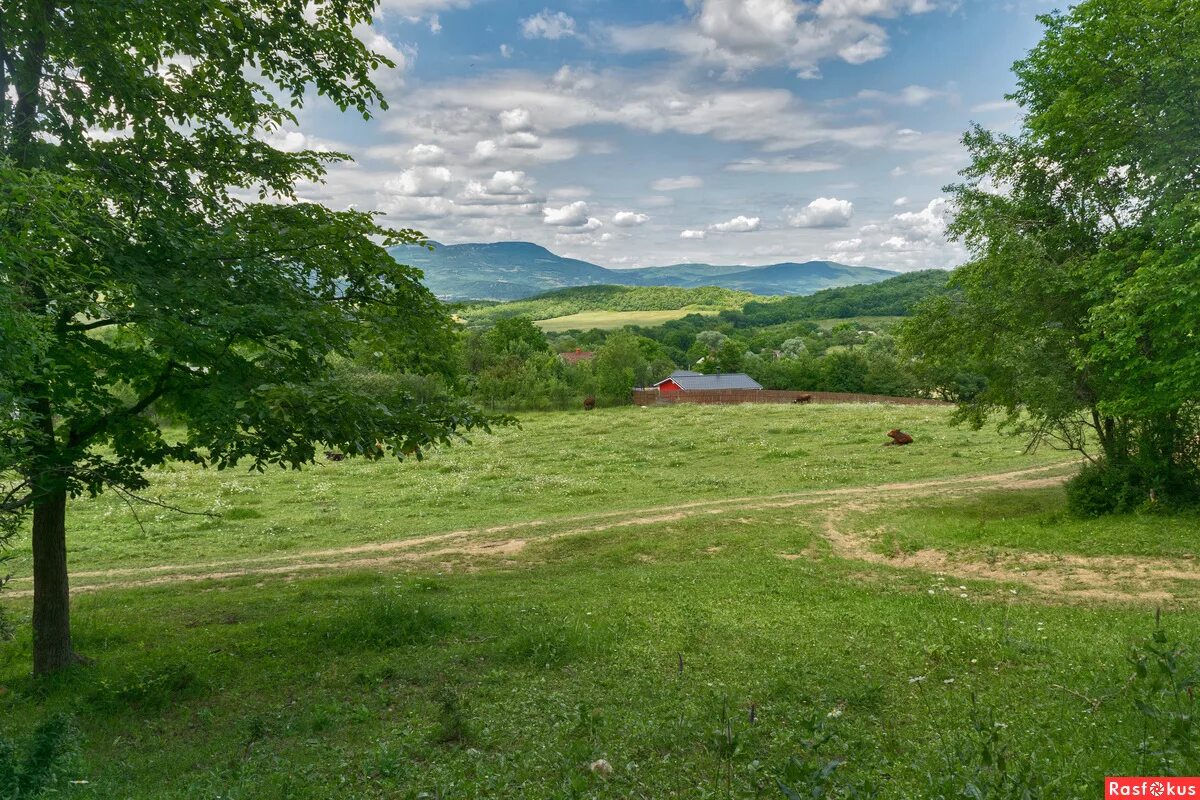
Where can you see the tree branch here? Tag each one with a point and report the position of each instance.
(78, 437)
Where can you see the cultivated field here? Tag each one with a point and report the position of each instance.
(699, 596)
(611, 320)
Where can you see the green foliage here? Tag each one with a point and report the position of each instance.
(31, 769)
(1101, 489)
(895, 297)
(984, 765)
(140, 279)
(517, 335)
(814, 772)
(1081, 298)
(1163, 691)
(626, 361)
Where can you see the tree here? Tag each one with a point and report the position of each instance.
(140, 277)
(844, 371)
(793, 348)
(619, 366)
(711, 340)
(1081, 301)
(517, 335)
(731, 356)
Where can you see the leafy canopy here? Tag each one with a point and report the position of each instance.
(154, 255)
(1081, 303)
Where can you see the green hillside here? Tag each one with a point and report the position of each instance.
(895, 297)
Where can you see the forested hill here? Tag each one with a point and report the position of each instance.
(517, 270)
(895, 297)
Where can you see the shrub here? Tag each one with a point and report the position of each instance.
(1103, 488)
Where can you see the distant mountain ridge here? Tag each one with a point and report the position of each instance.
(516, 270)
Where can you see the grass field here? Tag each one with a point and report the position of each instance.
(610, 320)
(710, 599)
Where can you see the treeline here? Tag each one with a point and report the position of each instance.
(564, 302)
(509, 363)
(895, 297)
(515, 365)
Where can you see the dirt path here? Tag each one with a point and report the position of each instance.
(1069, 576)
(1097, 578)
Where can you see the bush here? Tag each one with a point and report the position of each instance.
(1107, 488)
(1102, 488)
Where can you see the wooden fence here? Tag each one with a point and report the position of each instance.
(652, 397)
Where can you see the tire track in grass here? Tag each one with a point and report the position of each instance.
(483, 542)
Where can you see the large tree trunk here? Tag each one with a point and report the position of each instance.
(51, 592)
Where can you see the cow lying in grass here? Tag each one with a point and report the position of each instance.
(899, 438)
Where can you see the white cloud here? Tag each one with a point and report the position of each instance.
(911, 96)
(692, 234)
(900, 201)
(505, 187)
(739, 224)
(426, 154)
(548, 25)
(784, 164)
(572, 215)
(874, 8)
(994, 106)
(928, 224)
(824, 212)
(671, 184)
(521, 140)
(506, 51)
(435, 25)
(742, 35)
(417, 8)
(386, 78)
(485, 150)
(651, 102)
(629, 219)
(421, 182)
(516, 120)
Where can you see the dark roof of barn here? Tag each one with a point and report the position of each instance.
(695, 381)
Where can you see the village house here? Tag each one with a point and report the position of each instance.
(687, 381)
(577, 357)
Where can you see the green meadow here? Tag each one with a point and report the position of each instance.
(625, 603)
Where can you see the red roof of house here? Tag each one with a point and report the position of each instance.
(577, 356)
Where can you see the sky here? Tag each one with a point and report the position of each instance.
(665, 131)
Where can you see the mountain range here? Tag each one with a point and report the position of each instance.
(516, 270)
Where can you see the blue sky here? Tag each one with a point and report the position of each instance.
(662, 131)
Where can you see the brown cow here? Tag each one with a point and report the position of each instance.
(899, 438)
(589, 403)
(803, 398)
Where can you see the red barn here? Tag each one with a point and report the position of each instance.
(686, 381)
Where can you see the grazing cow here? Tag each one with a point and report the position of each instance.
(803, 399)
(899, 437)
(589, 402)
(335, 456)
